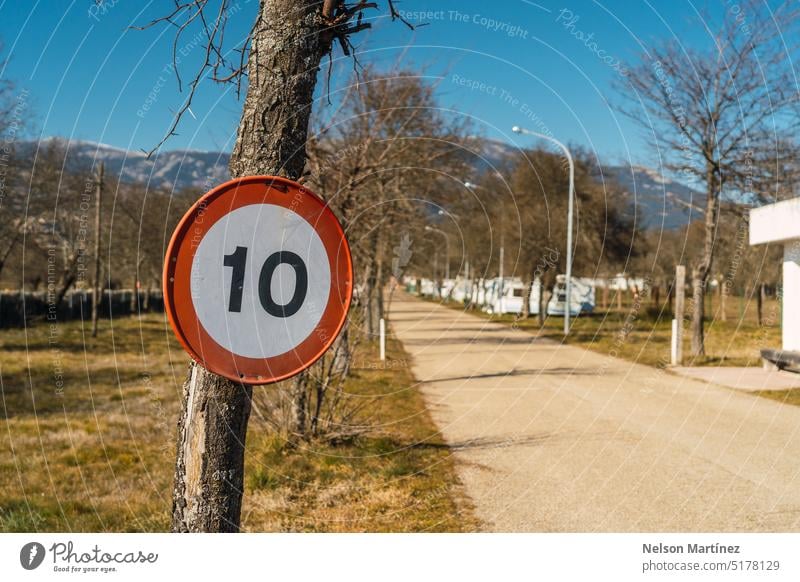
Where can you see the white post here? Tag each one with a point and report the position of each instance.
(791, 291)
(674, 343)
(383, 339)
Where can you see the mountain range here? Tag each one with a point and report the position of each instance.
(656, 200)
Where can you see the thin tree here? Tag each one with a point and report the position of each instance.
(721, 116)
(281, 57)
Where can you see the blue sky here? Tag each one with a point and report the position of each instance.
(502, 63)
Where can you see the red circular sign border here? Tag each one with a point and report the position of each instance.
(177, 265)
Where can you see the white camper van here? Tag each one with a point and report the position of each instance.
(582, 300)
(428, 288)
(511, 298)
(461, 290)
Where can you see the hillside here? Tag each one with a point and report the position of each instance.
(656, 199)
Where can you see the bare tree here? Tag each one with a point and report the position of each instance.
(723, 116)
(60, 197)
(528, 210)
(13, 220)
(372, 158)
(281, 57)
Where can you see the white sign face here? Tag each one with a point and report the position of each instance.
(260, 280)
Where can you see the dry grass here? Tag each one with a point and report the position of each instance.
(98, 454)
(399, 477)
(643, 334)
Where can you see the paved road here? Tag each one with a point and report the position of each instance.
(558, 438)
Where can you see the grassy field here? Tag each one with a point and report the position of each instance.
(642, 334)
(89, 436)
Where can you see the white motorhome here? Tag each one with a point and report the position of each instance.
(428, 288)
(461, 290)
(582, 297)
(510, 299)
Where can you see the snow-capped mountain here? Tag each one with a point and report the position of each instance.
(655, 198)
(168, 169)
(657, 201)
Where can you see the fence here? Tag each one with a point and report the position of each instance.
(18, 308)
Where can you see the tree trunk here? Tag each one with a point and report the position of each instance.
(12, 242)
(299, 403)
(760, 304)
(701, 271)
(698, 314)
(542, 303)
(527, 284)
(67, 279)
(377, 291)
(288, 44)
(547, 282)
(209, 470)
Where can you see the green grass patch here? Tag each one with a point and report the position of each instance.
(89, 443)
(642, 334)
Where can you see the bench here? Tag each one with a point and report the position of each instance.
(780, 360)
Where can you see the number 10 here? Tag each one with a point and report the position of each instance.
(238, 259)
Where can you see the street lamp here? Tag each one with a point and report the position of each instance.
(570, 204)
(471, 185)
(446, 249)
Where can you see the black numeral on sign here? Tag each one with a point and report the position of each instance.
(265, 284)
(237, 260)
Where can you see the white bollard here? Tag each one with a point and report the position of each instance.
(382, 328)
(674, 343)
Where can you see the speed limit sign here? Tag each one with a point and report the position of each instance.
(258, 279)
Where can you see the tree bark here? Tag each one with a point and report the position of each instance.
(67, 279)
(527, 284)
(299, 401)
(377, 290)
(760, 305)
(701, 271)
(698, 314)
(546, 282)
(209, 470)
(288, 44)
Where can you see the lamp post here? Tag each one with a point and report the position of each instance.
(570, 206)
(446, 249)
(500, 272)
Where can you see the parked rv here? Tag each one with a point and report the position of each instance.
(507, 296)
(582, 297)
